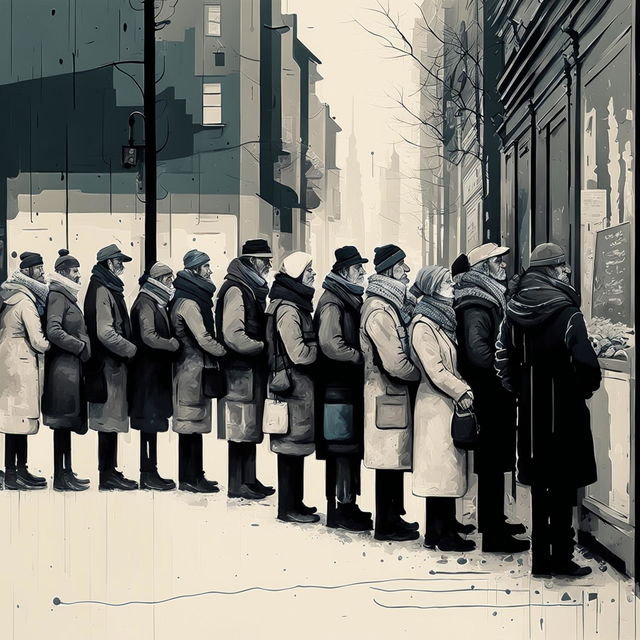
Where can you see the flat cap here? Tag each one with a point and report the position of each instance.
(110, 252)
(484, 252)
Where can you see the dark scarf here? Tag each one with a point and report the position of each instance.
(539, 297)
(190, 286)
(102, 276)
(351, 294)
(481, 285)
(292, 290)
(238, 271)
(439, 310)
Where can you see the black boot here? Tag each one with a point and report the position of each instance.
(238, 487)
(249, 476)
(152, 480)
(21, 463)
(14, 482)
(299, 505)
(345, 518)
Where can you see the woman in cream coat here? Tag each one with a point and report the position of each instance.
(439, 468)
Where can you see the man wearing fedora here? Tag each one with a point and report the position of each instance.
(340, 389)
(109, 329)
(544, 356)
(480, 305)
(241, 326)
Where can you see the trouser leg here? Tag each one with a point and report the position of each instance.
(59, 446)
(285, 484)
(562, 533)
(235, 466)
(184, 451)
(21, 451)
(439, 514)
(298, 480)
(148, 452)
(249, 474)
(345, 485)
(107, 451)
(10, 452)
(540, 528)
(197, 459)
(330, 485)
(384, 499)
(490, 502)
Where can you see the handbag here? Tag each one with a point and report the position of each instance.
(465, 430)
(275, 417)
(213, 382)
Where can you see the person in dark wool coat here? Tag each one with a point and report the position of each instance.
(194, 326)
(109, 328)
(480, 305)
(340, 388)
(544, 356)
(64, 404)
(241, 327)
(150, 371)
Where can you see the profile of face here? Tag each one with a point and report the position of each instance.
(563, 273)
(497, 268)
(261, 265)
(309, 276)
(400, 272)
(166, 280)
(205, 271)
(355, 274)
(446, 287)
(116, 266)
(37, 272)
(73, 274)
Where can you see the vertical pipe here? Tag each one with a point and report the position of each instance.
(150, 208)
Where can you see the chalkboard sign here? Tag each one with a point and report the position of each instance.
(612, 274)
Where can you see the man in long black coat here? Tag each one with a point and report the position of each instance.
(480, 304)
(340, 389)
(545, 357)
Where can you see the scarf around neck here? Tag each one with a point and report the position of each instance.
(108, 279)
(439, 310)
(190, 286)
(394, 292)
(348, 292)
(539, 297)
(158, 291)
(38, 289)
(292, 290)
(238, 271)
(71, 287)
(481, 285)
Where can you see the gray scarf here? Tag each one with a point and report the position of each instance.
(158, 291)
(439, 310)
(394, 292)
(481, 285)
(38, 289)
(356, 289)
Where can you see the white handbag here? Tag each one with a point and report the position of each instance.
(275, 419)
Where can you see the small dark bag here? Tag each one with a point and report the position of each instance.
(213, 382)
(280, 382)
(465, 430)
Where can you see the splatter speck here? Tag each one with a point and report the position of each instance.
(56, 601)
(507, 559)
(495, 613)
(565, 597)
(541, 623)
(472, 587)
(507, 591)
(399, 557)
(537, 592)
(462, 561)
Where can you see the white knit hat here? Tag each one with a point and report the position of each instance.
(295, 264)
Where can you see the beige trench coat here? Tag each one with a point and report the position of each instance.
(439, 468)
(22, 345)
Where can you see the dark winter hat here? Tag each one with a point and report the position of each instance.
(347, 257)
(110, 252)
(194, 258)
(257, 248)
(547, 255)
(65, 261)
(30, 259)
(387, 256)
(460, 265)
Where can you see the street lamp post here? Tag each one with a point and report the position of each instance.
(150, 191)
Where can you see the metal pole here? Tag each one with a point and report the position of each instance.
(150, 191)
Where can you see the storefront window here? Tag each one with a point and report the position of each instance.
(523, 204)
(558, 143)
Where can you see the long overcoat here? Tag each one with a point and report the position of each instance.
(22, 345)
(553, 369)
(294, 328)
(439, 468)
(150, 371)
(64, 402)
(478, 325)
(389, 372)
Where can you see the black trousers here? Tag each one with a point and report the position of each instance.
(148, 451)
(242, 464)
(342, 479)
(441, 516)
(290, 483)
(190, 460)
(389, 498)
(61, 451)
(15, 451)
(490, 502)
(107, 451)
(552, 535)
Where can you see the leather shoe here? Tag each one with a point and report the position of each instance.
(448, 542)
(408, 526)
(503, 543)
(14, 482)
(64, 482)
(570, 569)
(199, 485)
(29, 478)
(357, 513)
(247, 492)
(465, 529)
(302, 508)
(258, 487)
(299, 518)
(397, 535)
(343, 518)
(152, 480)
(115, 481)
(74, 477)
(514, 528)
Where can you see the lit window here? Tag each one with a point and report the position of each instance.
(212, 103)
(213, 20)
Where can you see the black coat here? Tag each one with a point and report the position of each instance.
(150, 372)
(478, 324)
(553, 368)
(339, 381)
(64, 404)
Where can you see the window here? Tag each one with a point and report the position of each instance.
(213, 20)
(212, 103)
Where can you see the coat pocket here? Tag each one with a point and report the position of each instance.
(239, 384)
(392, 410)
